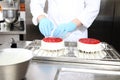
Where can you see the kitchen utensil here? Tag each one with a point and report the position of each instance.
(14, 63)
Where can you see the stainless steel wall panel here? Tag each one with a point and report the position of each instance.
(106, 10)
(102, 26)
(116, 27)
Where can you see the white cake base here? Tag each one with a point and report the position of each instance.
(89, 47)
(51, 53)
(97, 55)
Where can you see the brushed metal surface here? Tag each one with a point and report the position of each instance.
(14, 72)
(49, 70)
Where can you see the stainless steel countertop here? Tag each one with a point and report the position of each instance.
(51, 70)
(47, 70)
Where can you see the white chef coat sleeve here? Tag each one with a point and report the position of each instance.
(37, 8)
(90, 12)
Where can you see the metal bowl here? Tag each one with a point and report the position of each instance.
(14, 70)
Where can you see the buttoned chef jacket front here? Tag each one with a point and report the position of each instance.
(64, 11)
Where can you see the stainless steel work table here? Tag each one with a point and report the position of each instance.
(45, 68)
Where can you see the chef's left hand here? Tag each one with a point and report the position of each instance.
(63, 29)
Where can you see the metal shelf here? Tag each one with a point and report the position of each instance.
(12, 32)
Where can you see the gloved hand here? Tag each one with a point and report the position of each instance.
(63, 29)
(46, 26)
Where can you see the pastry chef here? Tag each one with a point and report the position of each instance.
(68, 19)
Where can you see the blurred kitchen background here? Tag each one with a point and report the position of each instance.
(106, 27)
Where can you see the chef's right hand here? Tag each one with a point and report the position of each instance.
(45, 26)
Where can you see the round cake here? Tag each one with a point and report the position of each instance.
(52, 43)
(89, 45)
(89, 48)
(52, 47)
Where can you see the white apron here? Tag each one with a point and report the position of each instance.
(64, 11)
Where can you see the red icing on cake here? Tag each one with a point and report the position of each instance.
(89, 41)
(52, 39)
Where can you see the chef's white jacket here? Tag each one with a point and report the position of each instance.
(64, 11)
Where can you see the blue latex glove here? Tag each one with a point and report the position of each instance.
(63, 29)
(46, 26)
